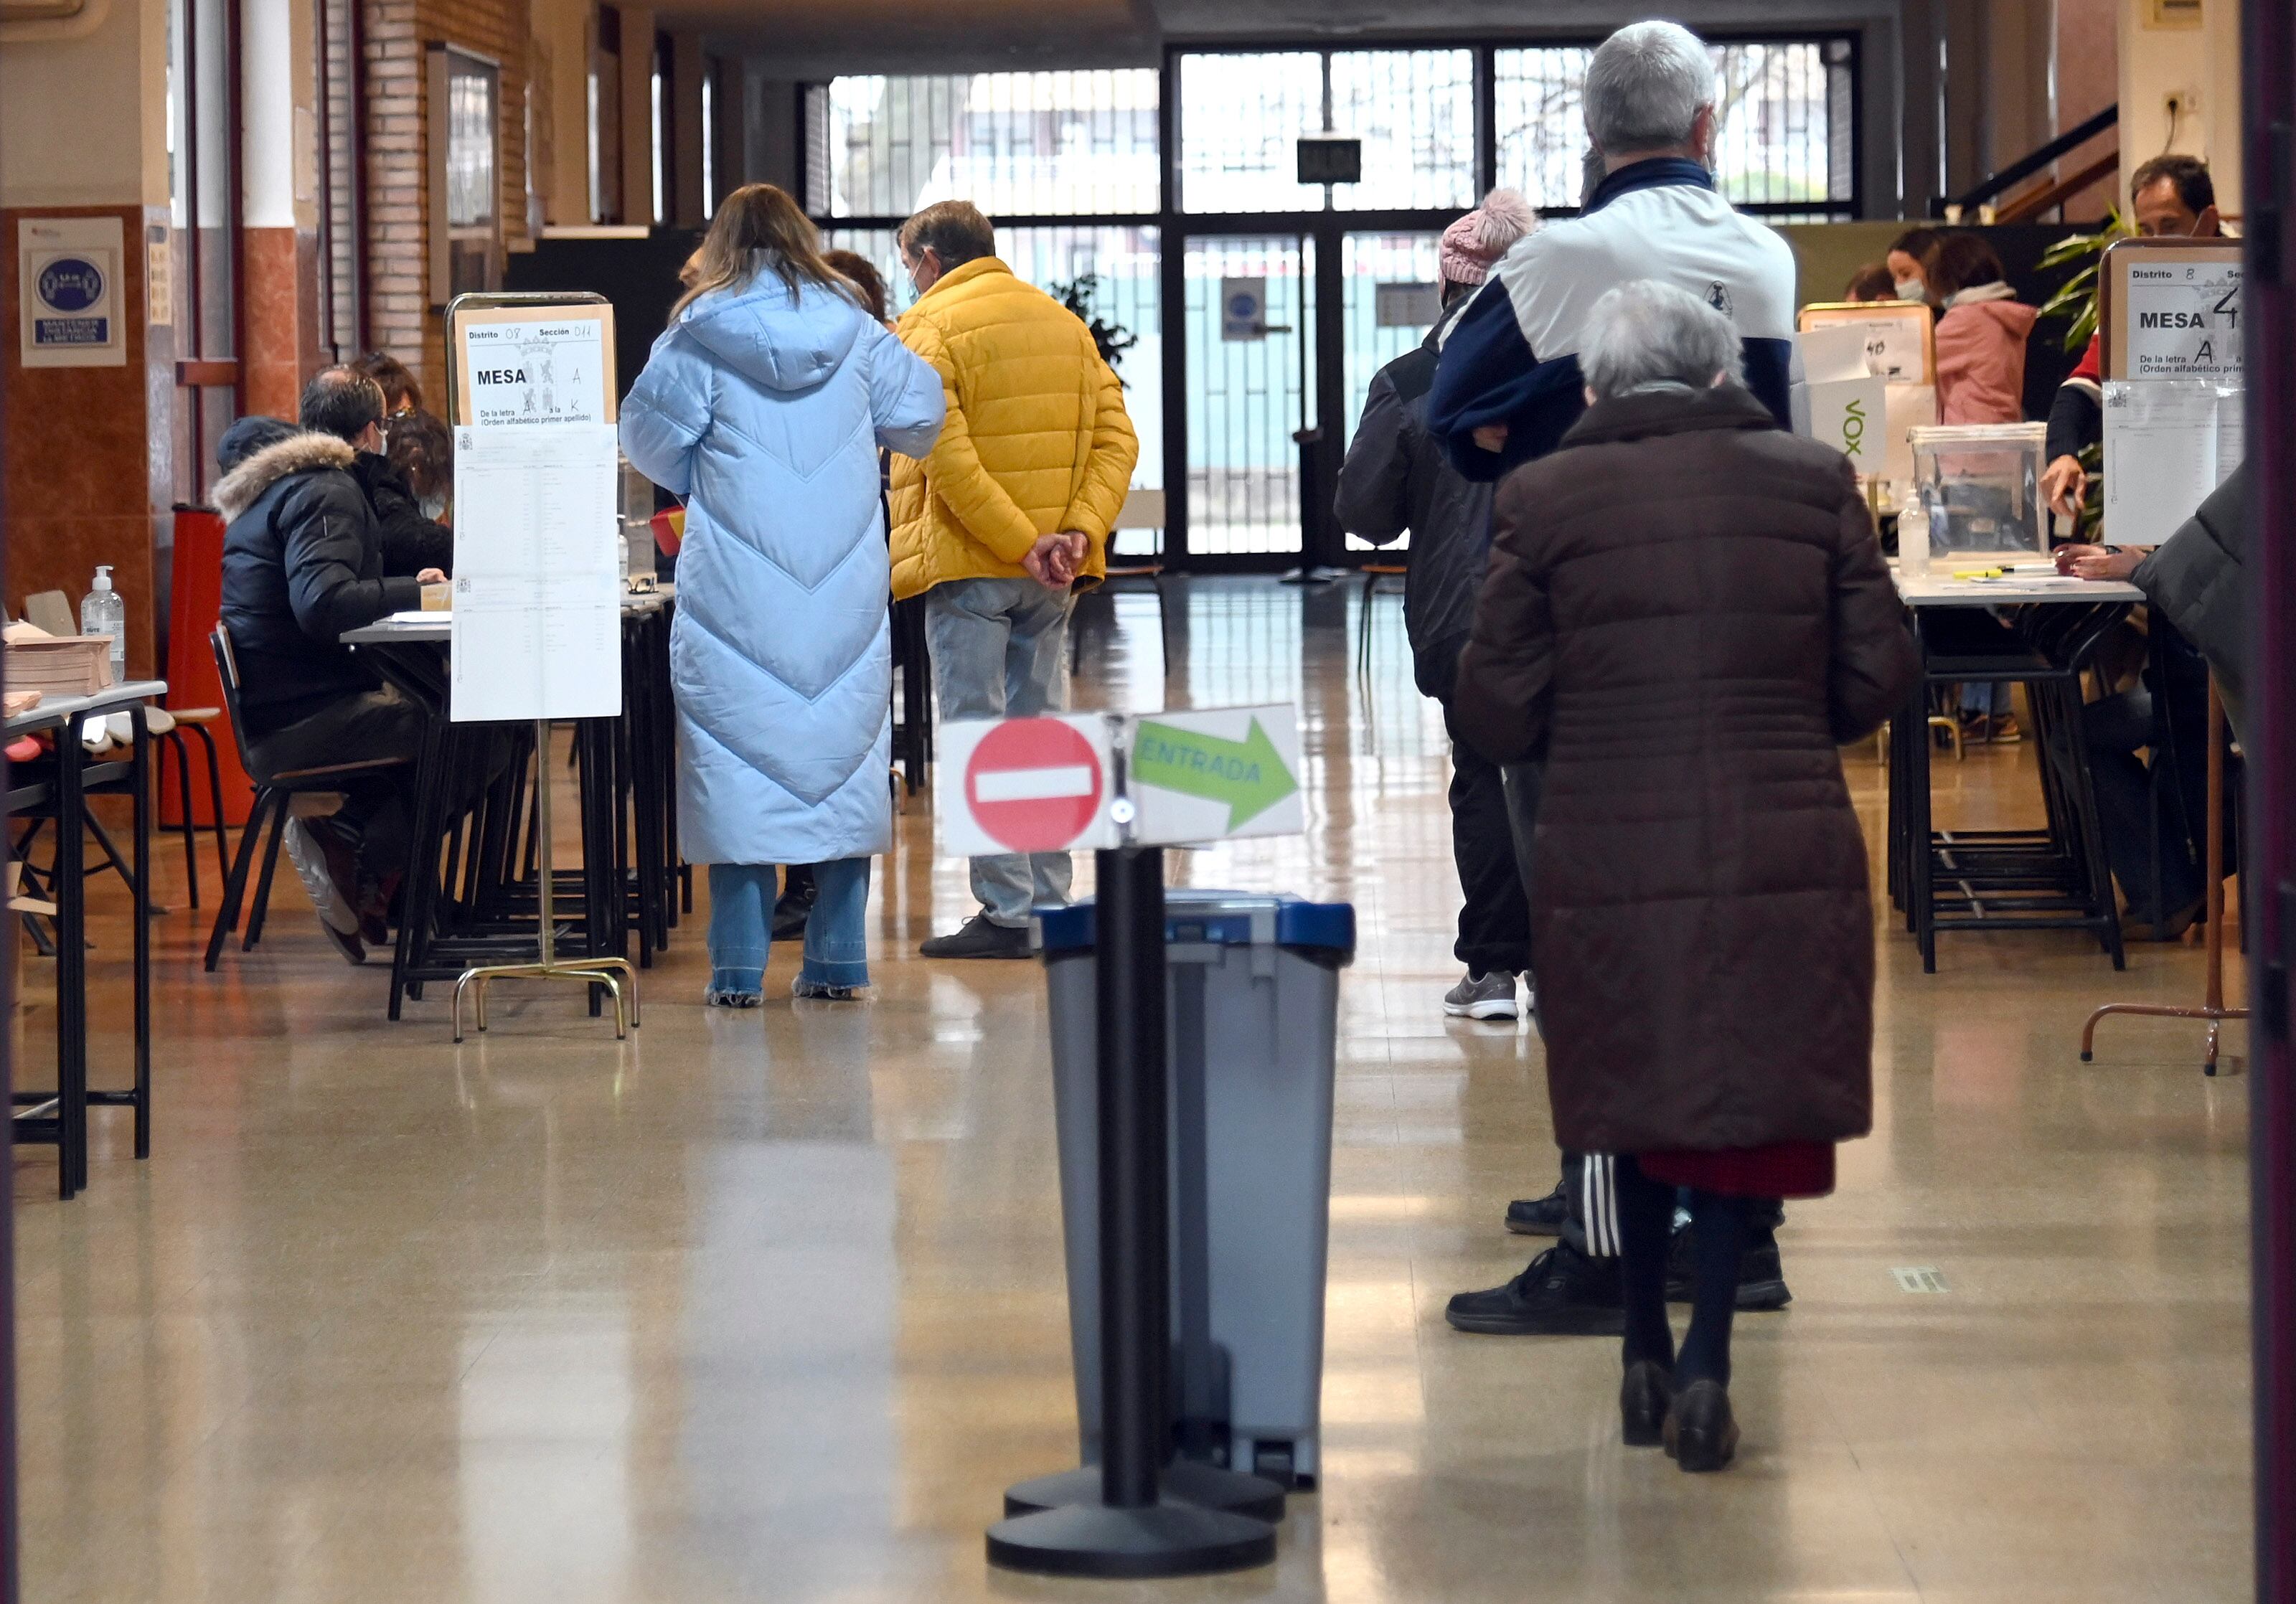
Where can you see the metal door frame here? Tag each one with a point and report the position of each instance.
(1320, 540)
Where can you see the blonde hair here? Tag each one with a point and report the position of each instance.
(758, 227)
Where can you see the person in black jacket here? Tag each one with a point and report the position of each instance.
(2196, 583)
(1396, 477)
(303, 563)
(409, 487)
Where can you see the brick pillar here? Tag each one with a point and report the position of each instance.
(278, 167)
(402, 318)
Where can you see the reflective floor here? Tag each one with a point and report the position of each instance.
(769, 1305)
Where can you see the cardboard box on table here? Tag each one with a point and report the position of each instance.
(1837, 401)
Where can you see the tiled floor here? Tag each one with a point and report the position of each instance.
(768, 1307)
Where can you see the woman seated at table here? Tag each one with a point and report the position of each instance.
(1686, 614)
(763, 406)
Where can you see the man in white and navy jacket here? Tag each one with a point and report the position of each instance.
(1509, 386)
(1506, 390)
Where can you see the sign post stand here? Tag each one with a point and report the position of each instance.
(1049, 784)
(615, 974)
(1138, 1513)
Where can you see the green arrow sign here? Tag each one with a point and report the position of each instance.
(1248, 774)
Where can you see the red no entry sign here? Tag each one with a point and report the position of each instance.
(1033, 784)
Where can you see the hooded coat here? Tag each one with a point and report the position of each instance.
(302, 563)
(764, 408)
(1980, 355)
(1687, 612)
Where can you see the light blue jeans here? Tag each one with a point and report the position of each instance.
(740, 925)
(1000, 648)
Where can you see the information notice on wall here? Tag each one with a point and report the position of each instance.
(68, 274)
(537, 616)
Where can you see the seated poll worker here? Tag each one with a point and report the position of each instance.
(1686, 614)
(302, 564)
(410, 484)
(2172, 197)
(2197, 584)
(1507, 389)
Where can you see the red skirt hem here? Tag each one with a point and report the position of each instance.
(1778, 1169)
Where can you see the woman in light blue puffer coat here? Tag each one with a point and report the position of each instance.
(764, 406)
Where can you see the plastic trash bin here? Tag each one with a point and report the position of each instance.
(1253, 1002)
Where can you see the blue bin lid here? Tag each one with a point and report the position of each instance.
(1222, 918)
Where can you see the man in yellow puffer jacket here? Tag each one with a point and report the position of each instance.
(1012, 508)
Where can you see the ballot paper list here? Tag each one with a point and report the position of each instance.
(2168, 445)
(536, 623)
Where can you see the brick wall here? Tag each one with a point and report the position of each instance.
(399, 35)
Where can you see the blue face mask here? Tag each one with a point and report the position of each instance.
(1913, 290)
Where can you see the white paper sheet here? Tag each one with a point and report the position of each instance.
(2184, 321)
(2161, 448)
(542, 371)
(536, 616)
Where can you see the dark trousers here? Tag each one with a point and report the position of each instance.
(367, 728)
(2135, 841)
(1721, 1231)
(1593, 1186)
(1494, 918)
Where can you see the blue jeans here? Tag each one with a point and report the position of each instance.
(1985, 698)
(1000, 648)
(740, 925)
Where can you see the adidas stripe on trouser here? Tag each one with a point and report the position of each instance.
(1590, 1186)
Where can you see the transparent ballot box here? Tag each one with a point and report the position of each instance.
(1980, 485)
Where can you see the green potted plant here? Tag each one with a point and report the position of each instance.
(1113, 339)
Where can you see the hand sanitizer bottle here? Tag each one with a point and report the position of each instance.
(103, 612)
(1913, 533)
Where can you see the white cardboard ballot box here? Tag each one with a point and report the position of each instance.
(1836, 400)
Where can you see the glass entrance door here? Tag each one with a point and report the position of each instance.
(1250, 359)
(1391, 293)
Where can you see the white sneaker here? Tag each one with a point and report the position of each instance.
(1481, 997)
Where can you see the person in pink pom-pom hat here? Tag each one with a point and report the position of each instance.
(1472, 244)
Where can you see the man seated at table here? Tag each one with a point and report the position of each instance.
(303, 562)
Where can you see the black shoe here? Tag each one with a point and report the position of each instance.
(1563, 1293)
(1644, 1398)
(980, 936)
(346, 942)
(789, 915)
(1761, 1277)
(1700, 1432)
(1539, 1216)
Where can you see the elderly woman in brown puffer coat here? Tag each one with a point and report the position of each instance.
(1686, 614)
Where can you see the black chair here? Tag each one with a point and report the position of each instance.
(274, 793)
(196, 720)
(1372, 573)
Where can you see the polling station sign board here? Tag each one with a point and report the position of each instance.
(1216, 774)
(2170, 309)
(1062, 782)
(1040, 784)
(68, 283)
(523, 367)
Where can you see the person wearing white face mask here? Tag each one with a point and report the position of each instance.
(1909, 254)
(2171, 196)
